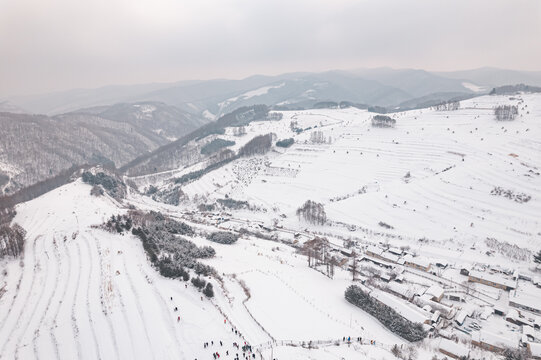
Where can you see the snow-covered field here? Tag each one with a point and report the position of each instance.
(435, 169)
(81, 292)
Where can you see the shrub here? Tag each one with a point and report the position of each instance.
(312, 212)
(233, 204)
(209, 291)
(383, 121)
(216, 145)
(223, 237)
(285, 143)
(198, 282)
(386, 315)
(259, 145)
(12, 240)
(506, 112)
(114, 187)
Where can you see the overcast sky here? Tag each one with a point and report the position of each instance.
(49, 45)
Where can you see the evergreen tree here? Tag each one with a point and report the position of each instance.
(537, 257)
(208, 291)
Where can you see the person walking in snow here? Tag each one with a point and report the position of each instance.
(178, 319)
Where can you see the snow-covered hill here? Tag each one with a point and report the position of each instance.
(432, 176)
(457, 188)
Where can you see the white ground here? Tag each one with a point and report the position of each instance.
(79, 292)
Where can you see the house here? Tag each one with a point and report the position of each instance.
(537, 323)
(500, 310)
(456, 297)
(461, 317)
(494, 342)
(493, 280)
(388, 256)
(395, 251)
(535, 350)
(525, 302)
(530, 333)
(435, 292)
(453, 350)
(435, 317)
(514, 318)
(403, 308)
(374, 251)
(417, 262)
(401, 290)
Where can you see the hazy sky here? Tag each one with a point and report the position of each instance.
(48, 45)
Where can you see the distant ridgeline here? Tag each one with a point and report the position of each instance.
(514, 89)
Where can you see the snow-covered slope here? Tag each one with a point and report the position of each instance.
(440, 182)
(431, 176)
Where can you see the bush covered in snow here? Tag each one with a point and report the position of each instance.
(506, 112)
(233, 204)
(11, 240)
(194, 175)
(215, 145)
(198, 282)
(167, 251)
(208, 291)
(171, 196)
(508, 250)
(111, 184)
(385, 314)
(510, 194)
(383, 121)
(223, 237)
(285, 143)
(259, 145)
(312, 212)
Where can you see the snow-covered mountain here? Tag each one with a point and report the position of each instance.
(36, 147)
(404, 208)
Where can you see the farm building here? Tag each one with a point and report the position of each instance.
(525, 302)
(494, 342)
(417, 262)
(453, 349)
(493, 280)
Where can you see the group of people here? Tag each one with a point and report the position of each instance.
(358, 339)
(247, 352)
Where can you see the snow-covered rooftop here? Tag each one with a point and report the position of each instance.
(453, 348)
(497, 279)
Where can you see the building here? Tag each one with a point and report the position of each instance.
(453, 349)
(396, 251)
(401, 290)
(374, 251)
(435, 292)
(494, 342)
(525, 302)
(403, 308)
(461, 317)
(390, 257)
(417, 262)
(535, 350)
(493, 280)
